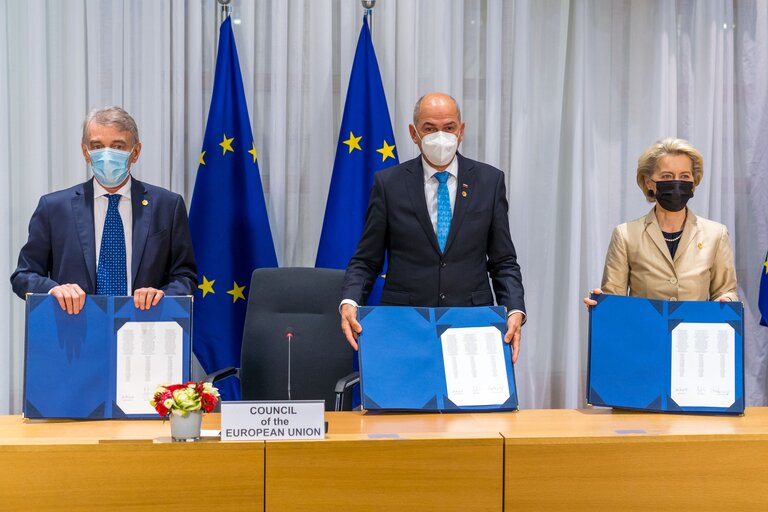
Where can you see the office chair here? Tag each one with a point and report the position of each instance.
(293, 347)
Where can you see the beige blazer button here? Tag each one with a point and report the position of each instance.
(673, 280)
(673, 298)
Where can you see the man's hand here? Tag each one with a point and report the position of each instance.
(70, 296)
(514, 328)
(349, 324)
(145, 298)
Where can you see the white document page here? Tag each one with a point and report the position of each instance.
(475, 372)
(703, 365)
(148, 354)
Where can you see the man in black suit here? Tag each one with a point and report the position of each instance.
(112, 235)
(442, 221)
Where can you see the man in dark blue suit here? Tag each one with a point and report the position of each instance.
(112, 235)
(442, 221)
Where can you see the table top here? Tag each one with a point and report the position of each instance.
(520, 426)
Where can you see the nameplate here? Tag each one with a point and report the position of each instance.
(258, 421)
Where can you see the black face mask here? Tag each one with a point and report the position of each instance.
(673, 195)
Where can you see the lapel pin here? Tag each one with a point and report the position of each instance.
(700, 245)
(144, 202)
(464, 185)
(463, 193)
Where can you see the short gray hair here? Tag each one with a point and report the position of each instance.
(111, 116)
(417, 107)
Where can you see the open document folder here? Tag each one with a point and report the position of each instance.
(435, 359)
(668, 356)
(106, 361)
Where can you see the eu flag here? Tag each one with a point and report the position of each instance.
(762, 301)
(228, 219)
(366, 145)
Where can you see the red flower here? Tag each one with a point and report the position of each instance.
(208, 402)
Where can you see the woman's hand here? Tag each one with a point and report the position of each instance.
(588, 301)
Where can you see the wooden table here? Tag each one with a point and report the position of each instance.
(593, 459)
(386, 471)
(603, 460)
(600, 459)
(128, 465)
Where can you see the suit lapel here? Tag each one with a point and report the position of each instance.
(464, 182)
(690, 229)
(82, 208)
(654, 232)
(415, 186)
(141, 206)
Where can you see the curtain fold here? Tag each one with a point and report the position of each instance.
(562, 95)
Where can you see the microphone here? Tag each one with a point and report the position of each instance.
(289, 337)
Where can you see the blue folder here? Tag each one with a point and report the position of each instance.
(631, 353)
(401, 357)
(70, 360)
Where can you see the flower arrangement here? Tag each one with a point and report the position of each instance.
(181, 399)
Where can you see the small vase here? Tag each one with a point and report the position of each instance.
(186, 428)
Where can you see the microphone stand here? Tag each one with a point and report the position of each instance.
(289, 337)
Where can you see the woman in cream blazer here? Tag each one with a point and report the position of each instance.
(670, 253)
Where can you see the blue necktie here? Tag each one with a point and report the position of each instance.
(443, 209)
(111, 274)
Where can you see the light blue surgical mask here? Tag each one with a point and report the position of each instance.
(110, 166)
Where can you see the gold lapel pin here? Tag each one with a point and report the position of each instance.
(463, 193)
(144, 202)
(700, 245)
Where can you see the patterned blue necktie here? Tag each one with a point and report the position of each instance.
(111, 274)
(443, 209)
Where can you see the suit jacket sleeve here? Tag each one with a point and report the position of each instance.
(616, 271)
(502, 258)
(31, 274)
(723, 278)
(368, 260)
(182, 270)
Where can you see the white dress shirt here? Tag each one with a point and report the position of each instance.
(100, 205)
(431, 184)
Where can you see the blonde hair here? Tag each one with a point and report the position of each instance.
(111, 116)
(649, 161)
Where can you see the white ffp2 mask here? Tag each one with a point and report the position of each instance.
(439, 147)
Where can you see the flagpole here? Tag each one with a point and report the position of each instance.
(224, 12)
(225, 9)
(368, 6)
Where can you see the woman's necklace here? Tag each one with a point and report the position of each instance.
(670, 240)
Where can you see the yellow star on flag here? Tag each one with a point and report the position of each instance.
(207, 286)
(226, 145)
(386, 151)
(202, 158)
(253, 151)
(353, 142)
(765, 264)
(237, 292)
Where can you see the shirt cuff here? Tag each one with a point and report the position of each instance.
(525, 317)
(348, 301)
